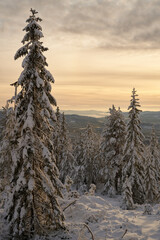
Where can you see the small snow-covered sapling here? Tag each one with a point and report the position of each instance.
(92, 189)
(148, 209)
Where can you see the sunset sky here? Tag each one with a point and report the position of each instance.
(98, 50)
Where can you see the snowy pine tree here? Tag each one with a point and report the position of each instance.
(67, 163)
(152, 171)
(127, 203)
(155, 153)
(7, 144)
(33, 207)
(63, 147)
(57, 137)
(89, 140)
(134, 158)
(151, 184)
(78, 152)
(85, 158)
(3, 113)
(112, 144)
(78, 149)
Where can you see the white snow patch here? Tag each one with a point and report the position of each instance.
(106, 220)
(39, 81)
(31, 184)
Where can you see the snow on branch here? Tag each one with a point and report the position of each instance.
(39, 81)
(48, 75)
(38, 33)
(32, 25)
(21, 51)
(26, 37)
(46, 101)
(29, 123)
(52, 99)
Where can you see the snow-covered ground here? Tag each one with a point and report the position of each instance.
(107, 220)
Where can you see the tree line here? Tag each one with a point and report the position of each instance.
(119, 163)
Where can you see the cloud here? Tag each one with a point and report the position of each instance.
(117, 24)
(109, 24)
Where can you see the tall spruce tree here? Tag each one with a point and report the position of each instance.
(112, 145)
(33, 207)
(134, 157)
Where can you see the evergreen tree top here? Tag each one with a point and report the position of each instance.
(115, 115)
(112, 110)
(134, 136)
(32, 36)
(134, 102)
(58, 114)
(33, 11)
(33, 17)
(89, 130)
(35, 80)
(114, 130)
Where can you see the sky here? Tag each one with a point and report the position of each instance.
(98, 50)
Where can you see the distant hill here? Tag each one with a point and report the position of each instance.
(76, 123)
(87, 113)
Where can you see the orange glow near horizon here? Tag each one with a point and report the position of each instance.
(83, 84)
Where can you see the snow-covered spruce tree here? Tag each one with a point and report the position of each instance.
(33, 207)
(58, 115)
(112, 145)
(67, 162)
(152, 171)
(3, 113)
(89, 147)
(127, 202)
(98, 169)
(62, 147)
(7, 144)
(78, 149)
(155, 153)
(134, 157)
(56, 137)
(78, 152)
(151, 184)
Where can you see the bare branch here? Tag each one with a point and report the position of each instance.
(89, 230)
(124, 234)
(72, 203)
